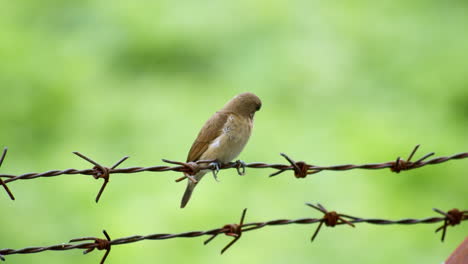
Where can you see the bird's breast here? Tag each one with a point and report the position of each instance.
(231, 141)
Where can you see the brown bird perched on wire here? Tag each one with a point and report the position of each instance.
(223, 136)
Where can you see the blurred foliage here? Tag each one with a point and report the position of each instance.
(354, 82)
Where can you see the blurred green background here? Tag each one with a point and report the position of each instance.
(345, 82)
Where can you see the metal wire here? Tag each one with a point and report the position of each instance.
(301, 169)
(330, 218)
(2, 158)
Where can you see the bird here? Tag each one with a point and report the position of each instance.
(223, 136)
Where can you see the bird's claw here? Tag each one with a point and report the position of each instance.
(240, 166)
(215, 169)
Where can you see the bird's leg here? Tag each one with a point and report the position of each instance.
(240, 166)
(215, 165)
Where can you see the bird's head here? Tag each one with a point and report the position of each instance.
(245, 104)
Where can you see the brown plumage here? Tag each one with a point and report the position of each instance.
(224, 135)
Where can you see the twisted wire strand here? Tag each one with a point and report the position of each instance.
(301, 169)
(450, 218)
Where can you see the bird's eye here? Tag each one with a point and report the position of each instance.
(258, 107)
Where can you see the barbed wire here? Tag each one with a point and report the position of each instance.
(330, 218)
(301, 169)
(2, 158)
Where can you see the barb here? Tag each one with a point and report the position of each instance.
(100, 244)
(401, 164)
(301, 169)
(452, 218)
(2, 158)
(100, 171)
(330, 218)
(234, 230)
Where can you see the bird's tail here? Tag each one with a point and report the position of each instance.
(187, 193)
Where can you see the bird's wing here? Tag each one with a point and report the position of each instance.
(209, 132)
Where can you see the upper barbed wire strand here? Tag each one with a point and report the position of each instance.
(301, 169)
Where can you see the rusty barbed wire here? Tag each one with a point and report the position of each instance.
(330, 218)
(301, 169)
(2, 158)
